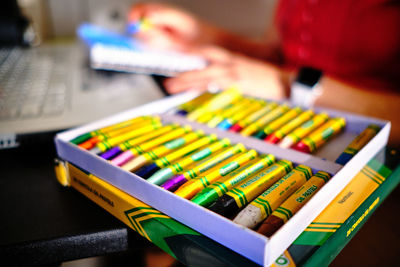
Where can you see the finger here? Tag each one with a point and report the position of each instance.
(198, 80)
(142, 10)
(214, 54)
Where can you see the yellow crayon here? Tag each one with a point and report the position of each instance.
(196, 102)
(250, 188)
(293, 204)
(112, 133)
(302, 131)
(145, 24)
(217, 189)
(276, 124)
(91, 142)
(263, 206)
(240, 105)
(217, 102)
(301, 196)
(140, 149)
(358, 143)
(161, 151)
(109, 143)
(279, 134)
(254, 117)
(264, 120)
(113, 127)
(227, 123)
(141, 139)
(162, 175)
(111, 153)
(255, 106)
(193, 186)
(145, 147)
(179, 167)
(319, 137)
(179, 180)
(193, 173)
(206, 117)
(166, 160)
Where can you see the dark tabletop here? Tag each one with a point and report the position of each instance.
(44, 223)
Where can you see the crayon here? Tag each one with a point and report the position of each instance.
(192, 187)
(252, 117)
(189, 106)
(104, 130)
(303, 130)
(211, 193)
(113, 152)
(228, 122)
(209, 115)
(174, 186)
(263, 206)
(145, 147)
(320, 135)
(134, 27)
(90, 143)
(238, 106)
(358, 143)
(147, 171)
(264, 120)
(279, 122)
(293, 204)
(279, 134)
(162, 175)
(109, 143)
(161, 151)
(239, 196)
(219, 101)
(177, 181)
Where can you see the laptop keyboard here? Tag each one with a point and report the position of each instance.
(31, 84)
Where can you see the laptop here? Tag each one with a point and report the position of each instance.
(50, 88)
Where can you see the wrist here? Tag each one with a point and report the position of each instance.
(305, 89)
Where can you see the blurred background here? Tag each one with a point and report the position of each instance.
(59, 18)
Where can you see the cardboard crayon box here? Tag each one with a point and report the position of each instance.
(247, 242)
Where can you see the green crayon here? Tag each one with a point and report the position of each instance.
(211, 193)
(162, 175)
(239, 196)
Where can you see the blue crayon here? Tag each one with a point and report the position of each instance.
(182, 112)
(132, 27)
(225, 124)
(147, 171)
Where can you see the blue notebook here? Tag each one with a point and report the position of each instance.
(114, 51)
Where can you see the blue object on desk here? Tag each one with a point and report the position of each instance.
(92, 34)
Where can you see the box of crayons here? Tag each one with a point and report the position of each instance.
(248, 173)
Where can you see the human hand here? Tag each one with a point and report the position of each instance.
(168, 27)
(253, 77)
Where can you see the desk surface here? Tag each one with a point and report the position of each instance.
(44, 223)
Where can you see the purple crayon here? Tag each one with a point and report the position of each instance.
(112, 153)
(174, 183)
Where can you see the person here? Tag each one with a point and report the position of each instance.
(356, 44)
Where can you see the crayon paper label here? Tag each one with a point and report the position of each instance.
(175, 143)
(268, 201)
(249, 189)
(201, 154)
(228, 168)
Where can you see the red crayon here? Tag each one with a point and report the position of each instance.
(235, 128)
(272, 139)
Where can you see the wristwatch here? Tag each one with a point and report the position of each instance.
(306, 88)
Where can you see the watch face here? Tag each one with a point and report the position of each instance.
(308, 76)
